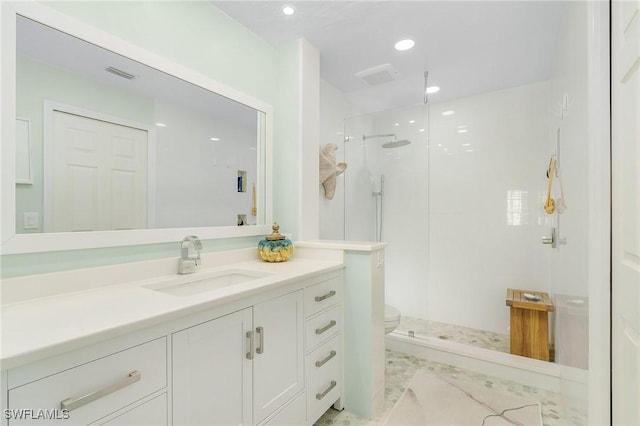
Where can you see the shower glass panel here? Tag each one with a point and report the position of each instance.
(460, 208)
(386, 197)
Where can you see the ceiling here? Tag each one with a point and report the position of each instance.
(468, 47)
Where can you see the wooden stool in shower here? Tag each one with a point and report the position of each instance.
(529, 323)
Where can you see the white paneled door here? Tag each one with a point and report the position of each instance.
(98, 175)
(625, 110)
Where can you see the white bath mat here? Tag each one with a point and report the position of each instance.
(436, 401)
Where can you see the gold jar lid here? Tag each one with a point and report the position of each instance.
(275, 235)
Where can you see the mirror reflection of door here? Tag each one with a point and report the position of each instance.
(99, 175)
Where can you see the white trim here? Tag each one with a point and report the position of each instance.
(47, 135)
(599, 217)
(27, 179)
(13, 243)
(7, 119)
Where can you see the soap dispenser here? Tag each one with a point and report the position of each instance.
(275, 247)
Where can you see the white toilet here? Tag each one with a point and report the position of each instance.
(391, 318)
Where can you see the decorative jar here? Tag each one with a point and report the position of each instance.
(275, 247)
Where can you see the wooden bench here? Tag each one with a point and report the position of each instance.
(529, 323)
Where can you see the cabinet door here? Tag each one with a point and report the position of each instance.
(278, 363)
(212, 374)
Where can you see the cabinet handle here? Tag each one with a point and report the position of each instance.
(260, 348)
(250, 337)
(73, 403)
(324, 361)
(326, 296)
(319, 396)
(326, 327)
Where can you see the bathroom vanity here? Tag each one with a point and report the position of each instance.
(244, 342)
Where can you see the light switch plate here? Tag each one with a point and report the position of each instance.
(31, 220)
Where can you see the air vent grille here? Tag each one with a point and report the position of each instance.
(120, 73)
(378, 75)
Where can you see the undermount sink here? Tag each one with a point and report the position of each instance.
(188, 286)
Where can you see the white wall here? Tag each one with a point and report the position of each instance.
(486, 195)
(196, 178)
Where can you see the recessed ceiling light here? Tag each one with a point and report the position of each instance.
(396, 124)
(405, 44)
(412, 121)
(462, 131)
(215, 139)
(433, 89)
(161, 125)
(288, 10)
(466, 144)
(422, 130)
(447, 112)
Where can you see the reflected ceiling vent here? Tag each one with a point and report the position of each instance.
(120, 73)
(378, 75)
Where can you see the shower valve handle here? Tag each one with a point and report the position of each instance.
(552, 239)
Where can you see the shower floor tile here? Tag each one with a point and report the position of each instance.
(401, 368)
(469, 336)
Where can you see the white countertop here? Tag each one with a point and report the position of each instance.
(342, 245)
(38, 327)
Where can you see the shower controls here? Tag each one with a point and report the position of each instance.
(552, 239)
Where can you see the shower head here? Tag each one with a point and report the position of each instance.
(391, 144)
(396, 143)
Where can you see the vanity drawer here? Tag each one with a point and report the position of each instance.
(324, 361)
(324, 377)
(93, 390)
(321, 327)
(322, 295)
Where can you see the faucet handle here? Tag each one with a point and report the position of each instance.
(197, 244)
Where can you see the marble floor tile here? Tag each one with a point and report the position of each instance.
(469, 336)
(402, 367)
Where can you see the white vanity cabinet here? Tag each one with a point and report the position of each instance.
(271, 357)
(240, 368)
(93, 390)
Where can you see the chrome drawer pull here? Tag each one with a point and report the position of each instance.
(73, 403)
(326, 296)
(260, 348)
(326, 327)
(324, 361)
(319, 396)
(250, 337)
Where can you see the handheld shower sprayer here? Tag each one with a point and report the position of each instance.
(426, 84)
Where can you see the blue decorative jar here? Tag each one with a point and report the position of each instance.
(275, 247)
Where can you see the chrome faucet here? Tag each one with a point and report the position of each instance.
(187, 263)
